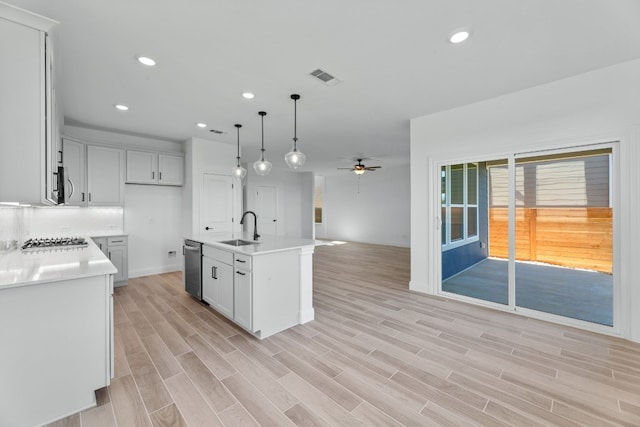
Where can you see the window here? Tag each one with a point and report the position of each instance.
(459, 204)
(317, 199)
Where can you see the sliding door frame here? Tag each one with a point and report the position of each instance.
(614, 195)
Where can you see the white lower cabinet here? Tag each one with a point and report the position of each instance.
(259, 292)
(217, 280)
(116, 248)
(243, 295)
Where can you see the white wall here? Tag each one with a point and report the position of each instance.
(153, 221)
(295, 199)
(204, 156)
(152, 215)
(603, 105)
(372, 208)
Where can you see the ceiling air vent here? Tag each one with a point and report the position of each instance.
(217, 132)
(325, 77)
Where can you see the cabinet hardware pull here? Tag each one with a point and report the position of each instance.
(61, 157)
(241, 273)
(208, 228)
(83, 196)
(241, 260)
(117, 241)
(153, 175)
(89, 196)
(73, 188)
(214, 272)
(160, 176)
(109, 254)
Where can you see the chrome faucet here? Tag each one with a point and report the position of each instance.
(255, 223)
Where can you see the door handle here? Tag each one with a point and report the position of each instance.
(214, 272)
(241, 260)
(208, 228)
(241, 273)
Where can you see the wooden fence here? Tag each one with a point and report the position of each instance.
(569, 237)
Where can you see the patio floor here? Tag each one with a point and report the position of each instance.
(578, 294)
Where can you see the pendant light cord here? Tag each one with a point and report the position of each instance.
(238, 156)
(295, 124)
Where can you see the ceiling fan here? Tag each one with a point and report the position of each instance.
(359, 168)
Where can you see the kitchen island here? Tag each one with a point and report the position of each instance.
(265, 287)
(56, 332)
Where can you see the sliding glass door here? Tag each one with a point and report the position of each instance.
(534, 231)
(466, 194)
(564, 234)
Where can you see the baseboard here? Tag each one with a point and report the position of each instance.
(371, 242)
(154, 270)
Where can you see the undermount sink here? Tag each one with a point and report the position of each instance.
(238, 242)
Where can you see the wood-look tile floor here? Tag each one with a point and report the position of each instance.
(376, 355)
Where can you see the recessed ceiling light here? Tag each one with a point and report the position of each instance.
(248, 95)
(201, 125)
(145, 60)
(459, 36)
(121, 107)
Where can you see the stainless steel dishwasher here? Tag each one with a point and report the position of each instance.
(192, 252)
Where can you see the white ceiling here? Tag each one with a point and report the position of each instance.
(392, 56)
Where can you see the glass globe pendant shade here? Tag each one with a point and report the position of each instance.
(239, 172)
(295, 159)
(262, 166)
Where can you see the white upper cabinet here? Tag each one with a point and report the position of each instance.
(28, 155)
(144, 167)
(105, 176)
(170, 169)
(75, 163)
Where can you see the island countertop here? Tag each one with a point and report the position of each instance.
(264, 244)
(18, 268)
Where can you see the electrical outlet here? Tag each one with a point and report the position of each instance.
(172, 254)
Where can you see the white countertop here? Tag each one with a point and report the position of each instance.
(18, 268)
(265, 244)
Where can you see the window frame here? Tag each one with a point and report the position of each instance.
(465, 205)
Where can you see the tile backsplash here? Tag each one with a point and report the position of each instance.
(21, 223)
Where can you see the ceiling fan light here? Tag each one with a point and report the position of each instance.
(359, 171)
(262, 166)
(295, 159)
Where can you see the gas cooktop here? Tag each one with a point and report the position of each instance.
(54, 243)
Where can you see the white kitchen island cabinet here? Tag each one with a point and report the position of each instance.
(271, 281)
(56, 314)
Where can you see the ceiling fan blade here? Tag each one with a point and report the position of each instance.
(348, 169)
(374, 167)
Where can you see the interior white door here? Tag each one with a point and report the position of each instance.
(267, 209)
(216, 203)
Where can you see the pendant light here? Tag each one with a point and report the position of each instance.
(262, 166)
(294, 158)
(238, 172)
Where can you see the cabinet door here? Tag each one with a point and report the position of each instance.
(101, 242)
(74, 159)
(118, 256)
(242, 304)
(21, 113)
(142, 167)
(105, 176)
(170, 169)
(225, 290)
(209, 281)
